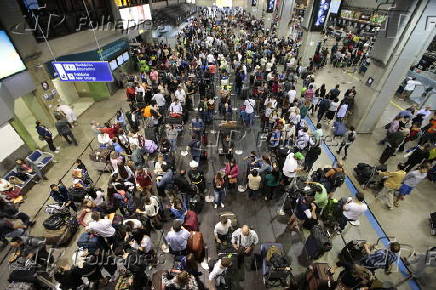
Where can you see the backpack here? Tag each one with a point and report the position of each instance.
(271, 251)
(55, 221)
(338, 179)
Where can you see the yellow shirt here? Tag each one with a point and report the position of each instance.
(394, 179)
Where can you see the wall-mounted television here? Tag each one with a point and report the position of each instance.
(319, 14)
(147, 11)
(125, 56)
(120, 60)
(334, 6)
(11, 60)
(113, 64)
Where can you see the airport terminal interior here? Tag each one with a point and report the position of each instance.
(218, 144)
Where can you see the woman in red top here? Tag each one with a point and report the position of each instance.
(144, 181)
(232, 171)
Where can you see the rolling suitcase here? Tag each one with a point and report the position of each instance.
(317, 243)
(318, 277)
(191, 221)
(196, 245)
(88, 241)
(63, 236)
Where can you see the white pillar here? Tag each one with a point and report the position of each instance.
(419, 31)
(283, 29)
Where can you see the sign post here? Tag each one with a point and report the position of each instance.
(83, 71)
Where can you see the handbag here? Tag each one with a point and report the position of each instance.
(233, 180)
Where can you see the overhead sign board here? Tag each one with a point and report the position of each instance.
(83, 71)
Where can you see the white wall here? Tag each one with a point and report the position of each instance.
(11, 141)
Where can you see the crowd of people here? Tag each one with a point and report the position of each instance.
(148, 190)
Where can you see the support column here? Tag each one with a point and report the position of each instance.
(310, 38)
(416, 30)
(285, 17)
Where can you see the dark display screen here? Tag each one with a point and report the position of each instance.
(270, 6)
(320, 11)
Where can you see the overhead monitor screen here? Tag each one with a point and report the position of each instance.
(128, 20)
(113, 64)
(11, 60)
(334, 6)
(147, 11)
(125, 56)
(223, 3)
(120, 60)
(320, 11)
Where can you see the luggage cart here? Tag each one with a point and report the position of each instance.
(273, 276)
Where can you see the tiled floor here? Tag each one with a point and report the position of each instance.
(409, 223)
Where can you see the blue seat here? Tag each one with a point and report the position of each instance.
(40, 159)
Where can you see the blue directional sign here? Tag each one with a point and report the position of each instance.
(83, 71)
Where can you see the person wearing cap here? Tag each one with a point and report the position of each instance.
(177, 238)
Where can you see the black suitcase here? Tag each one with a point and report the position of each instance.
(353, 252)
(56, 221)
(317, 243)
(77, 194)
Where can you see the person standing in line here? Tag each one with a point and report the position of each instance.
(244, 240)
(342, 111)
(172, 136)
(64, 129)
(45, 134)
(249, 111)
(420, 154)
(410, 181)
(69, 114)
(219, 189)
(254, 182)
(392, 184)
(348, 139)
(311, 156)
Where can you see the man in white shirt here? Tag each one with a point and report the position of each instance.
(410, 87)
(249, 111)
(139, 89)
(159, 98)
(221, 230)
(244, 240)
(290, 166)
(216, 275)
(352, 210)
(100, 227)
(180, 95)
(292, 94)
(210, 58)
(176, 107)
